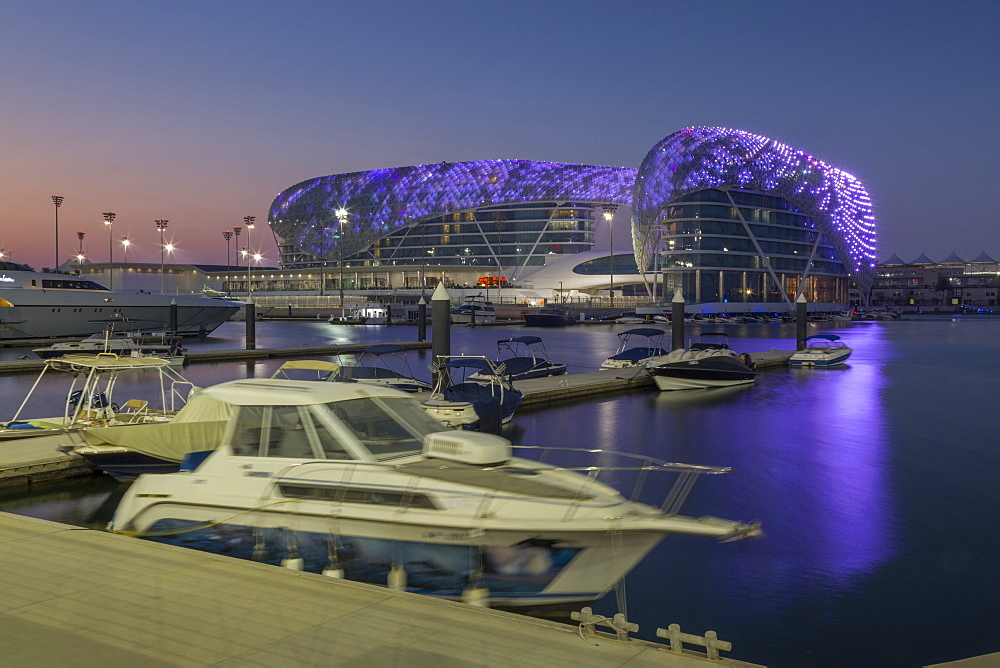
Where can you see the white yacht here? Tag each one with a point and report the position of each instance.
(36, 305)
(821, 350)
(475, 310)
(357, 481)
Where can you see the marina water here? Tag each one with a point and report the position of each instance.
(878, 483)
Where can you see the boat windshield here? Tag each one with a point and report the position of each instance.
(387, 427)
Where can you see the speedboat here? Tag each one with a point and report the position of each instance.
(548, 316)
(356, 481)
(370, 365)
(475, 310)
(629, 356)
(821, 350)
(460, 402)
(705, 364)
(526, 357)
(90, 400)
(123, 344)
(35, 305)
(127, 451)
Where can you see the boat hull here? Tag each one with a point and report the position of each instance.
(697, 374)
(818, 360)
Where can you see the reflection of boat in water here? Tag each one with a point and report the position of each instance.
(463, 403)
(630, 356)
(370, 314)
(705, 364)
(549, 316)
(821, 350)
(371, 365)
(359, 482)
(475, 310)
(526, 358)
(37, 305)
(90, 400)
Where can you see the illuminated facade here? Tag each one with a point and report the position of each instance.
(723, 214)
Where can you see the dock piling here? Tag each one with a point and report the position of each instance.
(800, 322)
(677, 320)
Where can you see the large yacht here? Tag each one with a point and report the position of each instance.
(36, 305)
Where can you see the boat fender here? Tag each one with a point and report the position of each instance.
(477, 595)
(296, 564)
(745, 359)
(397, 577)
(334, 572)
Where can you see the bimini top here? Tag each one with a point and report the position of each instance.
(697, 158)
(527, 340)
(642, 331)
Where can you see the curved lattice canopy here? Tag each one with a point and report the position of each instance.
(383, 200)
(700, 157)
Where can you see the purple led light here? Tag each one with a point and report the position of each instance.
(697, 158)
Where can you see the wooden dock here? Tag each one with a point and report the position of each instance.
(88, 598)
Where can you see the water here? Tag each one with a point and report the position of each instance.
(877, 485)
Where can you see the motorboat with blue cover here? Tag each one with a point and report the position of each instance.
(705, 364)
(629, 355)
(821, 350)
(549, 316)
(460, 402)
(525, 358)
(358, 482)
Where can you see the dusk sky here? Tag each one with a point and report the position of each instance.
(201, 112)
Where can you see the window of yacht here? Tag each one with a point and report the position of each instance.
(388, 427)
(283, 431)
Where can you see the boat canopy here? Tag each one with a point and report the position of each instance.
(826, 337)
(526, 340)
(384, 349)
(468, 363)
(642, 331)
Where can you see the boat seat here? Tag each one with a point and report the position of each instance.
(134, 406)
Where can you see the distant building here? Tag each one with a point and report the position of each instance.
(726, 216)
(949, 286)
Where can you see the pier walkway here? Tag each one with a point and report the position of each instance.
(87, 598)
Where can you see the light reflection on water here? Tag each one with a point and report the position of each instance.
(876, 484)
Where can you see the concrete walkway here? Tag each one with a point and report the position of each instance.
(87, 598)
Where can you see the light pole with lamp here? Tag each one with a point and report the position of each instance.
(249, 221)
(341, 214)
(57, 200)
(227, 235)
(609, 215)
(161, 225)
(125, 244)
(109, 218)
(79, 254)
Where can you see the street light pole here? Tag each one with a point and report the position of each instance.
(609, 214)
(79, 255)
(109, 218)
(125, 245)
(249, 221)
(57, 200)
(341, 218)
(161, 225)
(227, 235)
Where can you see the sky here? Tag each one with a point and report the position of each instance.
(200, 113)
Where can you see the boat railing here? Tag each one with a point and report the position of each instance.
(611, 474)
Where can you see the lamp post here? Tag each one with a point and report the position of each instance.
(57, 200)
(341, 219)
(79, 254)
(109, 218)
(161, 225)
(227, 235)
(125, 244)
(249, 221)
(609, 214)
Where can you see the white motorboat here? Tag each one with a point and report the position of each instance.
(704, 364)
(629, 356)
(475, 311)
(123, 344)
(521, 358)
(36, 305)
(821, 350)
(358, 481)
(90, 399)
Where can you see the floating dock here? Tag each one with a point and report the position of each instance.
(88, 598)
